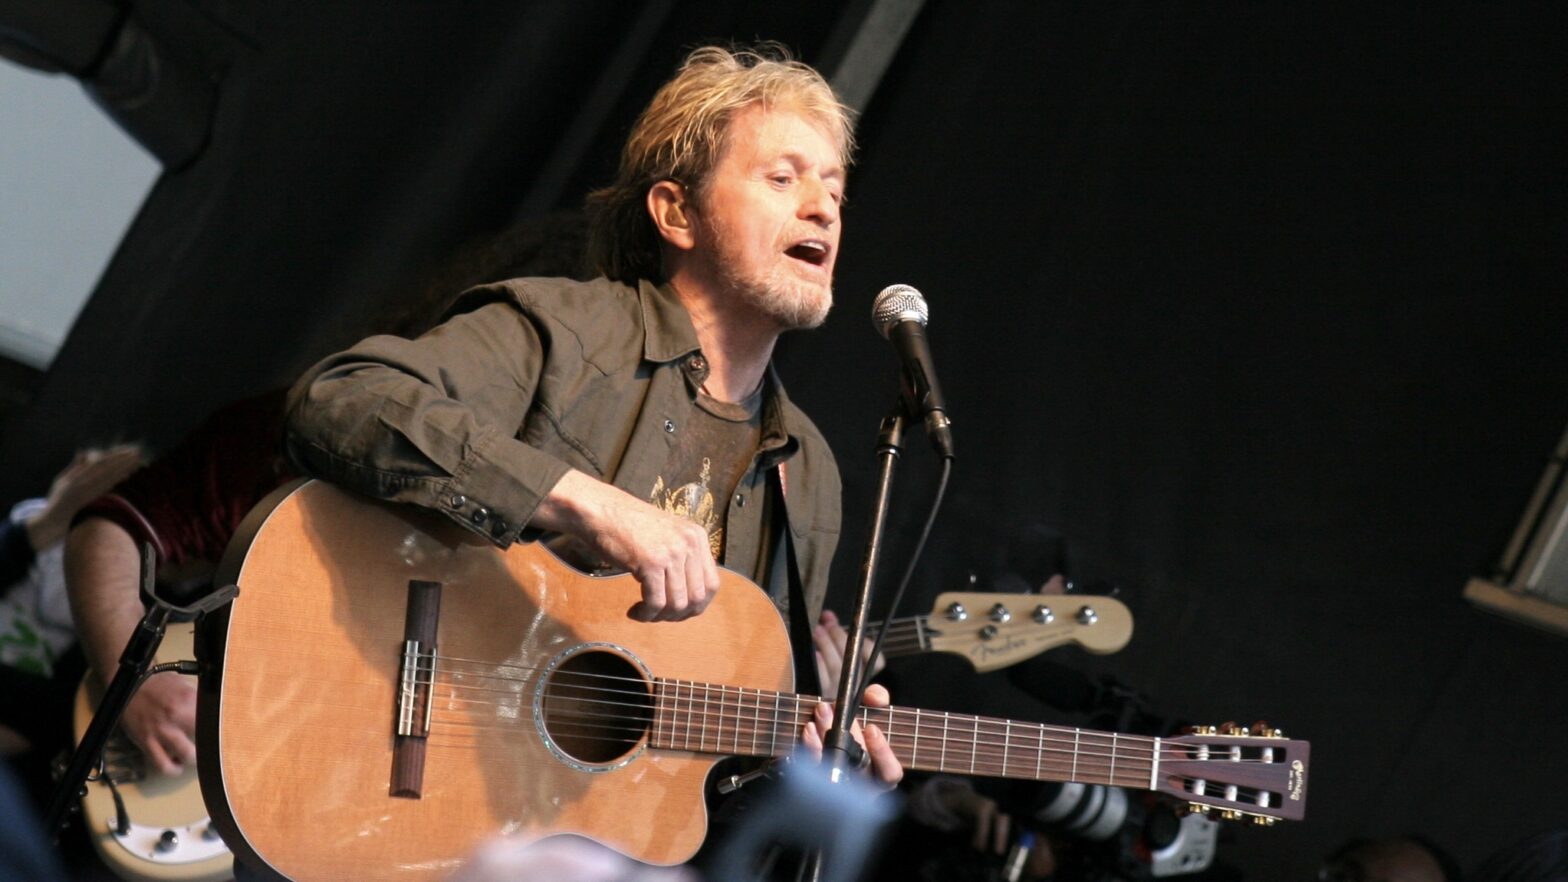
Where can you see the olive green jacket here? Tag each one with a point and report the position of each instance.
(479, 418)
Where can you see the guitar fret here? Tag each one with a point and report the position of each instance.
(1039, 750)
(974, 744)
(889, 731)
(707, 721)
(724, 703)
(718, 737)
(1112, 779)
(773, 748)
(658, 710)
(756, 721)
(1076, 733)
(914, 752)
(1007, 743)
(691, 708)
(942, 763)
(1154, 767)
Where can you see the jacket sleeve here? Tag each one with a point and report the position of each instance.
(433, 421)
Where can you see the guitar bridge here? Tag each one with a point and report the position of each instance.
(418, 678)
(416, 689)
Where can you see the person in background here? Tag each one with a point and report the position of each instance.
(39, 670)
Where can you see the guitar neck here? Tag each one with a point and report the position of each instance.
(905, 636)
(743, 722)
(1235, 772)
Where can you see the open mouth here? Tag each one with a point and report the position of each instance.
(810, 251)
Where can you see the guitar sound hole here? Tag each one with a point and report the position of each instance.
(597, 707)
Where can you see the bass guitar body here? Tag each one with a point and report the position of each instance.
(166, 834)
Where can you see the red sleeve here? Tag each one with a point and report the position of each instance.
(189, 501)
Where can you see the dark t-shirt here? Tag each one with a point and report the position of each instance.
(706, 465)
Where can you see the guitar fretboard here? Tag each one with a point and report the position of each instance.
(905, 636)
(707, 718)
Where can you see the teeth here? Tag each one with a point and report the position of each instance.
(814, 246)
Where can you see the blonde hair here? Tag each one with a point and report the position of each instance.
(682, 134)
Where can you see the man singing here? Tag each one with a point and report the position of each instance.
(636, 415)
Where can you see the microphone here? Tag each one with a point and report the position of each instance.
(900, 314)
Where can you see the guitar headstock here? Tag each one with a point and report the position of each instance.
(997, 630)
(1234, 772)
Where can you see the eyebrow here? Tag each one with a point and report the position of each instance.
(836, 171)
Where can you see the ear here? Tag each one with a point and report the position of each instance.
(669, 209)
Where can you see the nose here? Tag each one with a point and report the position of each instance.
(817, 203)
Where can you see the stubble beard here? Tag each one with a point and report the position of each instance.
(793, 303)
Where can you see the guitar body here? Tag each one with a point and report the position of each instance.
(300, 695)
(154, 803)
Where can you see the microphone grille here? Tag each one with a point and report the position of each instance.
(898, 303)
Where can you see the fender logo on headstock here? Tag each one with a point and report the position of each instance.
(983, 651)
(1298, 779)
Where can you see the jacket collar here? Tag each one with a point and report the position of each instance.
(667, 330)
(668, 335)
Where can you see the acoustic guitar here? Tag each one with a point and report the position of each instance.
(157, 829)
(388, 691)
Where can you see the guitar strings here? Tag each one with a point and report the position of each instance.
(1086, 766)
(724, 708)
(601, 720)
(743, 725)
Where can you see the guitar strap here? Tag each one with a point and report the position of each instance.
(800, 644)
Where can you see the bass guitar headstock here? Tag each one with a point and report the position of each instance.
(1233, 772)
(997, 630)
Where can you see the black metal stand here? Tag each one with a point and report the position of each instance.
(135, 666)
(839, 751)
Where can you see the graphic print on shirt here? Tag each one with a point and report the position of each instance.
(694, 502)
(710, 456)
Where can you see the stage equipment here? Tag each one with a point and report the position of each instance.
(189, 859)
(1530, 583)
(900, 314)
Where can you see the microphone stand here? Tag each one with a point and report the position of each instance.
(839, 745)
(135, 667)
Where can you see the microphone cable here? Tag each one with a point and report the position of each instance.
(909, 572)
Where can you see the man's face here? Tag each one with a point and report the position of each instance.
(768, 221)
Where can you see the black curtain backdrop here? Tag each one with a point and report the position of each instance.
(1261, 308)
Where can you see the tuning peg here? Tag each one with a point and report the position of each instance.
(1202, 730)
(1230, 815)
(1194, 808)
(1264, 820)
(1230, 728)
(1263, 730)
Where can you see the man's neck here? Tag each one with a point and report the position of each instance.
(737, 347)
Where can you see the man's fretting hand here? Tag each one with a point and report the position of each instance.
(884, 764)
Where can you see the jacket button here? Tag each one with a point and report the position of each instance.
(479, 515)
(669, 426)
(498, 528)
(740, 500)
(698, 363)
(458, 500)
